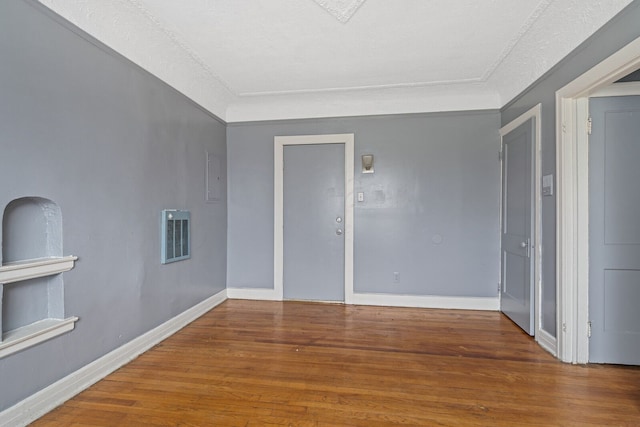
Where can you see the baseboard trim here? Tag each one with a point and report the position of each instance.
(390, 300)
(547, 341)
(253, 293)
(428, 301)
(38, 404)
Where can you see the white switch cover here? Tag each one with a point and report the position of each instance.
(361, 197)
(547, 185)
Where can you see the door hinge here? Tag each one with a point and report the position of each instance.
(500, 156)
(589, 329)
(589, 125)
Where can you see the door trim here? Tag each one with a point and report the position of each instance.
(541, 336)
(572, 213)
(278, 202)
(618, 89)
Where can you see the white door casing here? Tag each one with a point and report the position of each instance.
(572, 218)
(278, 266)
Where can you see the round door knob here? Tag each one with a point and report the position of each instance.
(339, 231)
(523, 245)
(339, 220)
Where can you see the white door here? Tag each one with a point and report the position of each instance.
(313, 223)
(517, 290)
(614, 230)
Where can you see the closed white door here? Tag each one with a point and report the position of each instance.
(517, 291)
(614, 230)
(314, 222)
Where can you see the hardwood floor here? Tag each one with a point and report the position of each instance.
(250, 363)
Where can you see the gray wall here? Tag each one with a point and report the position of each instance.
(112, 146)
(623, 29)
(435, 175)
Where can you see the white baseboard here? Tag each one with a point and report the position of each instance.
(428, 301)
(38, 404)
(253, 293)
(391, 300)
(547, 342)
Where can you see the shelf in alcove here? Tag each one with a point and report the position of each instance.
(31, 269)
(35, 333)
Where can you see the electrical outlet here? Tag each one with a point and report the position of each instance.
(396, 277)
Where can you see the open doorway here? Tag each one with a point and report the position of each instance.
(572, 168)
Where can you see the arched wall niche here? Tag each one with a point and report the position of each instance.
(31, 229)
(31, 284)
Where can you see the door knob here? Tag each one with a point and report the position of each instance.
(339, 220)
(523, 245)
(339, 231)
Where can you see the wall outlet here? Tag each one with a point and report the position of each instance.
(396, 277)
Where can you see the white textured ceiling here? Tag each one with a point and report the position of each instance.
(274, 59)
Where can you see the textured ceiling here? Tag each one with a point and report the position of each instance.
(342, 10)
(273, 59)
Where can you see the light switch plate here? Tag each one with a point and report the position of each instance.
(547, 185)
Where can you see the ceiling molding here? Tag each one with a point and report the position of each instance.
(175, 39)
(400, 100)
(121, 25)
(542, 6)
(562, 26)
(550, 32)
(364, 88)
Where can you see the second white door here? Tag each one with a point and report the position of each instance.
(517, 293)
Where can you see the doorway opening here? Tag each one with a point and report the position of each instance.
(533, 245)
(572, 221)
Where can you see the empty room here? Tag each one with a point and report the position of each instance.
(319, 212)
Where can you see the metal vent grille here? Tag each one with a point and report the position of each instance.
(175, 236)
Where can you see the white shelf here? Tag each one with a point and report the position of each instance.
(35, 333)
(34, 268)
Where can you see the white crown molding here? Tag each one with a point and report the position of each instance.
(551, 32)
(401, 100)
(124, 26)
(542, 6)
(440, 83)
(559, 29)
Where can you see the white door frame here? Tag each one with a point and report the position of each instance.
(572, 217)
(278, 202)
(545, 339)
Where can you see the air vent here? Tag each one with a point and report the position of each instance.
(175, 236)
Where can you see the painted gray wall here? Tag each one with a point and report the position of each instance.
(435, 175)
(613, 36)
(112, 146)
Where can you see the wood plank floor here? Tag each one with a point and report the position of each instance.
(250, 363)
